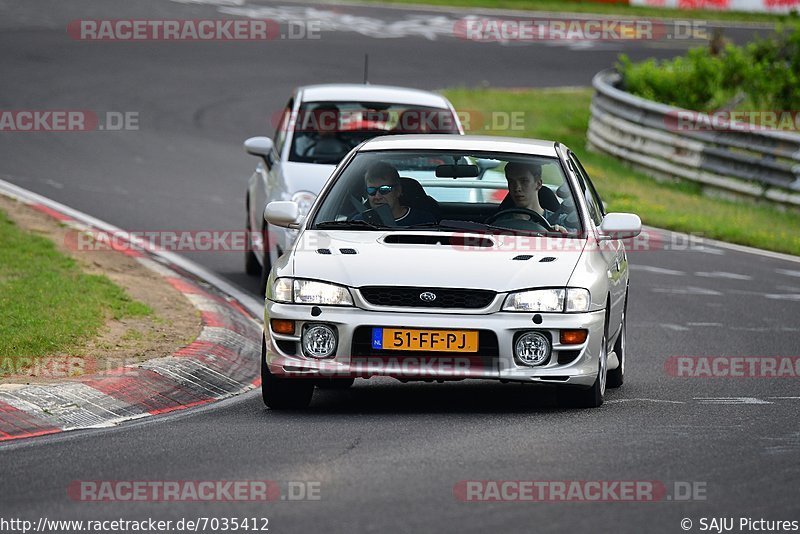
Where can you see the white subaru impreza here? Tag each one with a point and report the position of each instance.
(441, 257)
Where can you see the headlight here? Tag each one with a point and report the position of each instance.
(549, 300)
(310, 292)
(304, 200)
(539, 300)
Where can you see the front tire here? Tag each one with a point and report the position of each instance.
(573, 397)
(281, 393)
(251, 265)
(617, 376)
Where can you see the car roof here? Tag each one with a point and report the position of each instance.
(351, 92)
(467, 143)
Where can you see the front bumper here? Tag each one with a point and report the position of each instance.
(568, 364)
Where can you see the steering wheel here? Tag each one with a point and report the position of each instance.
(534, 217)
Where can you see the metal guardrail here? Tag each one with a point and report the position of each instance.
(646, 134)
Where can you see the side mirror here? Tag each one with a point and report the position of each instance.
(261, 147)
(620, 226)
(283, 213)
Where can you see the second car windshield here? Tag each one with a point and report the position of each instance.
(325, 131)
(451, 190)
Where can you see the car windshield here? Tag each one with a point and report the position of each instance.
(326, 131)
(445, 190)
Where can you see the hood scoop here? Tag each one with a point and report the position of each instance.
(547, 259)
(328, 252)
(448, 240)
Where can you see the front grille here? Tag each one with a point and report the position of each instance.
(487, 357)
(414, 297)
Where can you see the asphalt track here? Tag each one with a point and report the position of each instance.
(386, 456)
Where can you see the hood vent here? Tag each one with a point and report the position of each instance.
(449, 240)
(348, 251)
(547, 259)
(522, 257)
(323, 251)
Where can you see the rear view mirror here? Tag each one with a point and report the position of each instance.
(620, 226)
(458, 171)
(261, 147)
(282, 213)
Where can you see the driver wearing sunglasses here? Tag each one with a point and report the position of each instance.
(383, 187)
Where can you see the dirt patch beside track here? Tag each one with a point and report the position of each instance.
(174, 323)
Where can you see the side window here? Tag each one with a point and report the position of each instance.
(283, 126)
(593, 201)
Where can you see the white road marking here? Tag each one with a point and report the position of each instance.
(53, 183)
(646, 400)
(676, 327)
(788, 289)
(708, 250)
(705, 324)
(787, 443)
(730, 400)
(212, 2)
(788, 272)
(431, 26)
(656, 270)
(688, 290)
(723, 274)
(783, 296)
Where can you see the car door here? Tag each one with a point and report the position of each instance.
(612, 251)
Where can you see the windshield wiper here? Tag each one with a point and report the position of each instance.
(348, 225)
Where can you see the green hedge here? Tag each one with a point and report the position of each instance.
(762, 75)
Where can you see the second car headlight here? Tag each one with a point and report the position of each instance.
(304, 200)
(549, 300)
(296, 291)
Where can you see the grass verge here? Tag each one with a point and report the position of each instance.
(609, 8)
(48, 305)
(563, 115)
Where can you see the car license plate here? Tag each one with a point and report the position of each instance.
(425, 340)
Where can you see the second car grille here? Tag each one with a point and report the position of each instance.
(418, 297)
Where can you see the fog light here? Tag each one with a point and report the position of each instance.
(282, 326)
(319, 341)
(573, 337)
(532, 348)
